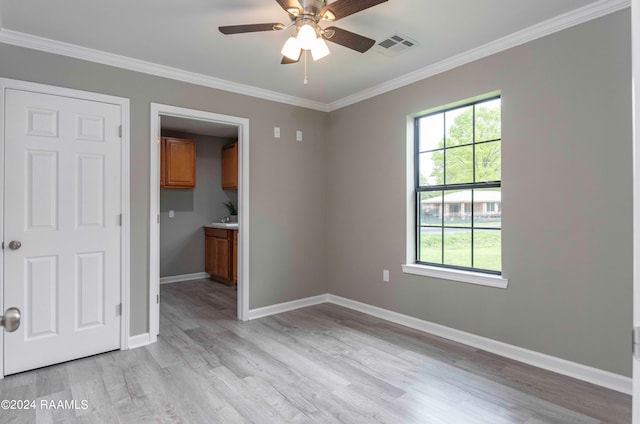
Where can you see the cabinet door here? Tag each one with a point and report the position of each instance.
(162, 161)
(234, 258)
(230, 167)
(180, 163)
(220, 258)
(209, 252)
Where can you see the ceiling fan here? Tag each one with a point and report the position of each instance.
(308, 35)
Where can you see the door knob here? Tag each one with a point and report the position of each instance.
(15, 245)
(10, 320)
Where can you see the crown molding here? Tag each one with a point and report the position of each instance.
(558, 23)
(78, 52)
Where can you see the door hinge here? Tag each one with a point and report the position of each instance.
(120, 131)
(120, 220)
(157, 299)
(2, 245)
(635, 342)
(158, 218)
(119, 309)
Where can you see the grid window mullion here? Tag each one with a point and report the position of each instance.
(462, 225)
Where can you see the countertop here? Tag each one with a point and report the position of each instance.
(223, 225)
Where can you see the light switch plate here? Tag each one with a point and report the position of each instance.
(298, 135)
(385, 275)
(276, 132)
(172, 214)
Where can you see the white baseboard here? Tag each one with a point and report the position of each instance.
(139, 340)
(185, 277)
(596, 376)
(287, 306)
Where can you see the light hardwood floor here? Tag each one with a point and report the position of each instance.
(322, 364)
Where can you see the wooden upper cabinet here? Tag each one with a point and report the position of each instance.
(162, 162)
(177, 163)
(230, 166)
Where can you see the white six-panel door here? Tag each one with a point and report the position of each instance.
(62, 203)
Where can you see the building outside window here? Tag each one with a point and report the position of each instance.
(458, 187)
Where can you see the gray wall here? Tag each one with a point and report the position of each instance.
(287, 177)
(567, 188)
(328, 214)
(182, 237)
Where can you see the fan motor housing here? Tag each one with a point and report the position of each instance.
(312, 7)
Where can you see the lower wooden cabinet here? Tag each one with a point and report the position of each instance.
(234, 258)
(220, 253)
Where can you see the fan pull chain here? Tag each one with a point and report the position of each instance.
(305, 67)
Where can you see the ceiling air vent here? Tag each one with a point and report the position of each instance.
(395, 44)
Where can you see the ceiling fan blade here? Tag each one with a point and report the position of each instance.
(342, 8)
(349, 39)
(287, 61)
(240, 29)
(289, 5)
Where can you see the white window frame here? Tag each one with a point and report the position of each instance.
(410, 266)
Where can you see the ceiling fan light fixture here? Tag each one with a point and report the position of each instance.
(291, 48)
(328, 16)
(319, 49)
(307, 37)
(293, 11)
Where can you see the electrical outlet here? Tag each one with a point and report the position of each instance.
(276, 132)
(385, 275)
(172, 214)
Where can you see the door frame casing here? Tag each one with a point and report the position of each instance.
(158, 110)
(635, 53)
(123, 103)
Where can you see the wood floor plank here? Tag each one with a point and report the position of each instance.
(270, 341)
(238, 394)
(322, 364)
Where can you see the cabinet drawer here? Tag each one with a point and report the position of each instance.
(216, 232)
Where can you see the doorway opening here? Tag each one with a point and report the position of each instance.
(180, 257)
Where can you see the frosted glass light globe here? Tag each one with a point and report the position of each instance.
(320, 49)
(307, 37)
(291, 49)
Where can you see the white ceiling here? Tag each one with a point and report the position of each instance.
(183, 34)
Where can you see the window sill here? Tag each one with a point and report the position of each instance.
(489, 280)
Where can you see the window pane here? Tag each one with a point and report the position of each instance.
(431, 132)
(457, 247)
(459, 152)
(459, 165)
(488, 120)
(431, 245)
(487, 250)
(488, 161)
(459, 124)
(487, 208)
(457, 208)
(431, 208)
(431, 168)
